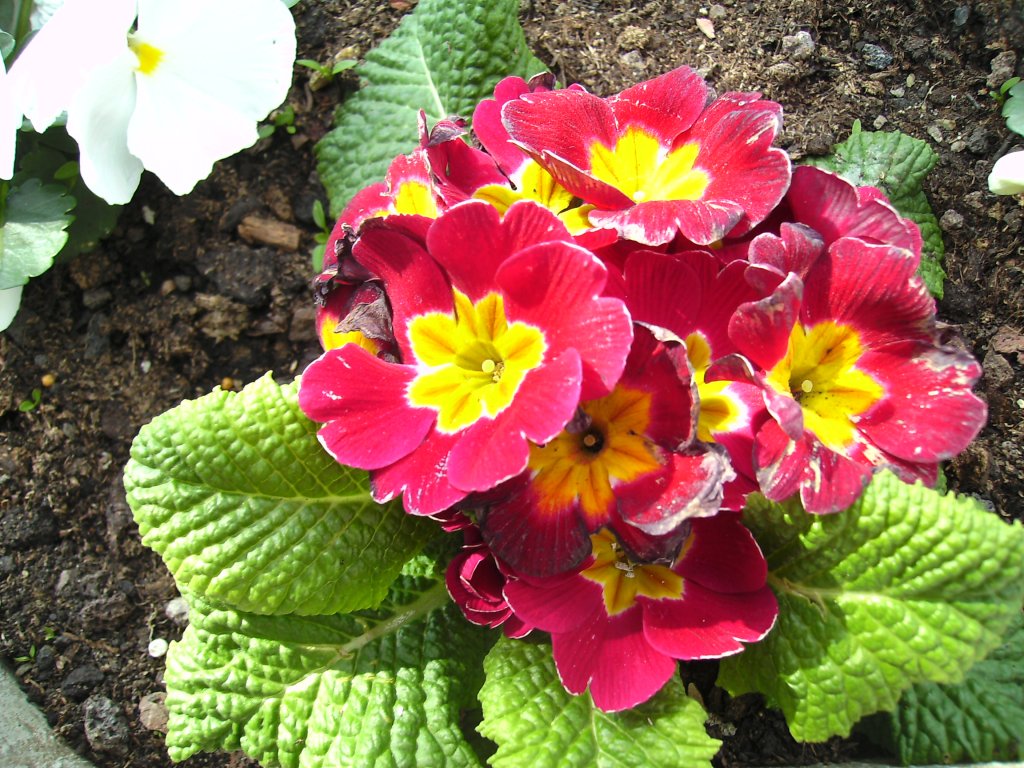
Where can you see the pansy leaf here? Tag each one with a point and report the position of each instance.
(246, 508)
(34, 229)
(979, 720)
(536, 723)
(905, 586)
(375, 688)
(443, 58)
(1013, 109)
(896, 164)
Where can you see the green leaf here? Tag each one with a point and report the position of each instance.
(905, 586)
(33, 231)
(1013, 109)
(443, 58)
(896, 164)
(246, 508)
(537, 724)
(381, 688)
(6, 44)
(980, 720)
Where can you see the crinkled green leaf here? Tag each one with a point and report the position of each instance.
(34, 223)
(979, 720)
(896, 164)
(443, 58)
(381, 688)
(1013, 109)
(246, 508)
(536, 723)
(905, 586)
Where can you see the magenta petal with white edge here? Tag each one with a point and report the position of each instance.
(723, 556)
(665, 106)
(835, 208)
(761, 329)
(929, 413)
(657, 222)
(420, 478)
(557, 287)
(413, 281)
(557, 604)
(627, 669)
(492, 451)
(707, 624)
(367, 426)
(873, 288)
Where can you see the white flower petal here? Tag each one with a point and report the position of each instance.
(98, 120)
(1007, 177)
(10, 300)
(222, 67)
(79, 37)
(42, 10)
(10, 120)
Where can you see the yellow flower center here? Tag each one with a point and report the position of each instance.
(718, 411)
(149, 56)
(472, 363)
(641, 168)
(623, 580)
(538, 185)
(819, 371)
(585, 465)
(414, 197)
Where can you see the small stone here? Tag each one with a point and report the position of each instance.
(707, 26)
(936, 133)
(958, 146)
(48, 380)
(961, 14)
(799, 46)
(998, 373)
(106, 727)
(157, 647)
(1001, 69)
(153, 712)
(875, 56)
(80, 682)
(23, 527)
(244, 274)
(167, 287)
(879, 122)
(46, 661)
(717, 12)
(975, 200)
(951, 220)
(7, 565)
(95, 298)
(303, 324)
(633, 38)
(177, 611)
(182, 282)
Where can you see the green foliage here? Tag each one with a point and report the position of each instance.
(247, 509)
(980, 720)
(1013, 106)
(34, 221)
(380, 688)
(32, 401)
(897, 164)
(537, 724)
(443, 58)
(905, 586)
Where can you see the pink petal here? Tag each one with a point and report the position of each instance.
(930, 413)
(665, 106)
(493, 450)
(836, 208)
(557, 604)
(563, 123)
(760, 330)
(413, 281)
(420, 478)
(873, 288)
(827, 481)
(663, 291)
(627, 670)
(536, 540)
(369, 421)
(795, 249)
(708, 625)
(460, 170)
(657, 222)
(557, 287)
(723, 556)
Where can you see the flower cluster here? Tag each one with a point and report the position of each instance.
(588, 333)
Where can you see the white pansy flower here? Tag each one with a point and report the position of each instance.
(10, 119)
(186, 88)
(1007, 177)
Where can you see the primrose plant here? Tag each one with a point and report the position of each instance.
(675, 399)
(169, 86)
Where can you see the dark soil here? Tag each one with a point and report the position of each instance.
(177, 302)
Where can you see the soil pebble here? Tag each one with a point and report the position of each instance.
(106, 727)
(875, 56)
(22, 527)
(799, 46)
(153, 712)
(80, 682)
